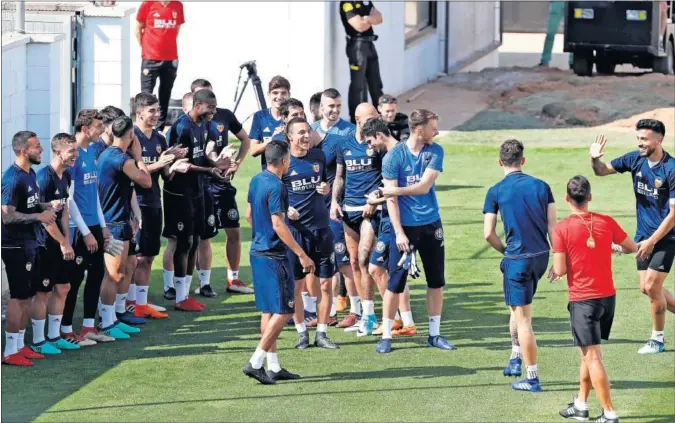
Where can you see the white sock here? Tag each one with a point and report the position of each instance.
(657, 335)
(273, 362)
(305, 301)
(333, 307)
(120, 303)
(141, 295)
(88, 322)
(204, 277)
(257, 358)
(407, 318)
(180, 292)
(610, 414)
(19, 339)
(388, 323)
(38, 331)
(232, 275)
(54, 326)
(321, 327)
(67, 329)
(579, 404)
(107, 313)
(368, 307)
(186, 286)
(131, 295)
(312, 304)
(168, 279)
(434, 325)
(10, 344)
(532, 372)
(355, 305)
(515, 352)
(301, 327)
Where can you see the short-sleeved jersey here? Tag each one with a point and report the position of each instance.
(20, 190)
(303, 176)
(363, 171)
(654, 188)
(219, 134)
(53, 187)
(84, 176)
(589, 270)
(151, 149)
(329, 145)
(406, 168)
(160, 29)
(349, 9)
(341, 127)
(114, 186)
(262, 128)
(523, 203)
(267, 196)
(99, 145)
(187, 133)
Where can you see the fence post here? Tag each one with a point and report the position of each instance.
(20, 17)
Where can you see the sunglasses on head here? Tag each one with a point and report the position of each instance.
(388, 100)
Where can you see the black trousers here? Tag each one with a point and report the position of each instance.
(364, 69)
(166, 71)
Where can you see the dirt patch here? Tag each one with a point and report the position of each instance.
(535, 98)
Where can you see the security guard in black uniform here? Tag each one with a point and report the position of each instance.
(358, 18)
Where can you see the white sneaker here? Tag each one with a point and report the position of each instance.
(157, 308)
(355, 327)
(652, 347)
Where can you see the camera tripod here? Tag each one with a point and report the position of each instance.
(255, 81)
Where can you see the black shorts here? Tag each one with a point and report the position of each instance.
(341, 256)
(591, 320)
(53, 268)
(121, 231)
(354, 219)
(226, 210)
(149, 237)
(22, 266)
(210, 228)
(183, 216)
(428, 241)
(318, 245)
(661, 258)
(83, 258)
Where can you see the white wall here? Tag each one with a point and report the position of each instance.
(13, 92)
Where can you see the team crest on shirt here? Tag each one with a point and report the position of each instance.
(158, 149)
(316, 167)
(439, 234)
(211, 220)
(29, 266)
(220, 127)
(45, 283)
(78, 260)
(233, 214)
(180, 226)
(206, 135)
(658, 182)
(370, 152)
(339, 247)
(174, 14)
(380, 247)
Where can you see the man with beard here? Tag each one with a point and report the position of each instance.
(314, 109)
(396, 122)
(267, 123)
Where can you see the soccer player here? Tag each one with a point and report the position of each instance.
(108, 114)
(54, 183)
(653, 173)
(410, 170)
(305, 181)
(582, 250)
(377, 135)
(22, 215)
(184, 213)
(527, 208)
(157, 158)
(224, 194)
(266, 123)
(314, 106)
(119, 166)
(88, 231)
(330, 109)
(358, 172)
(270, 261)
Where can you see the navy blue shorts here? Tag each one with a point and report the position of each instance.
(429, 243)
(54, 269)
(209, 228)
(521, 277)
(273, 283)
(226, 210)
(380, 256)
(354, 219)
(318, 244)
(183, 216)
(121, 230)
(149, 237)
(339, 247)
(22, 266)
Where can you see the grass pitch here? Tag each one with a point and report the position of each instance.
(188, 367)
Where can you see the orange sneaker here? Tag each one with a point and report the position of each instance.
(30, 354)
(395, 326)
(341, 304)
(187, 305)
(16, 359)
(148, 311)
(398, 324)
(405, 331)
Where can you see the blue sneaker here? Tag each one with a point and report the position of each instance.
(530, 385)
(124, 328)
(652, 347)
(514, 367)
(130, 319)
(368, 323)
(440, 342)
(383, 347)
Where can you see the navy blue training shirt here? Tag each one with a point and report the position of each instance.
(262, 128)
(267, 195)
(654, 188)
(523, 203)
(114, 186)
(223, 122)
(53, 188)
(186, 133)
(363, 171)
(152, 148)
(329, 146)
(303, 176)
(20, 190)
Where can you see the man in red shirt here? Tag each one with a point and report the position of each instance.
(158, 23)
(582, 245)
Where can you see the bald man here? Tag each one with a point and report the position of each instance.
(359, 173)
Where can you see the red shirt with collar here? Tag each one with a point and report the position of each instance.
(160, 30)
